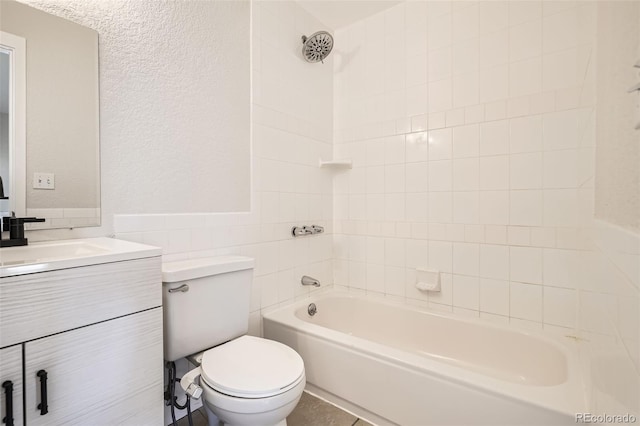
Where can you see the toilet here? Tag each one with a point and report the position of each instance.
(243, 380)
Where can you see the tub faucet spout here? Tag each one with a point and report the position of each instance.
(306, 280)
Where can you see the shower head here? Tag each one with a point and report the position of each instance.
(317, 46)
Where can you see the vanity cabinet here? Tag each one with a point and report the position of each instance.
(86, 342)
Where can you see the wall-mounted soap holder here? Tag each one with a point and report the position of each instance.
(336, 164)
(427, 280)
(298, 231)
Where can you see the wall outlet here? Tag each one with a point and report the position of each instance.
(44, 181)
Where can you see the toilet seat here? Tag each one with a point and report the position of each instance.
(251, 367)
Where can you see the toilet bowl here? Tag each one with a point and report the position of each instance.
(245, 380)
(251, 381)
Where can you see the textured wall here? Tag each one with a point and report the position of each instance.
(175, 102)
(292, 130)
(617, 195)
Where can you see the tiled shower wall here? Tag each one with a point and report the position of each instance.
(292, 130)
(471, 129)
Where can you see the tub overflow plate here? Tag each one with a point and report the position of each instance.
(312, 309)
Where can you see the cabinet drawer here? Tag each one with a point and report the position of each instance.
(37, 305)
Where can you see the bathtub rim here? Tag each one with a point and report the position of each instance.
(545, 397)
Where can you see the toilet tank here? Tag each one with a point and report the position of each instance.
(205, 303)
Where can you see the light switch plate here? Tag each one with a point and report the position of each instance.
(44, 181)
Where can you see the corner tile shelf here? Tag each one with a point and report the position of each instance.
(336, 164)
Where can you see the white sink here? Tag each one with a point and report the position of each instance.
(37, 253)
(47, 256)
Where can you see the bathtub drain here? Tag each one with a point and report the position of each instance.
(311, 309)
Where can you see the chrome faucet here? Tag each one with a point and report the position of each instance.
(307, 280)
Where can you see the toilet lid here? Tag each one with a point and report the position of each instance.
(251, 367)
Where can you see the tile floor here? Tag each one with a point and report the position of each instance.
(311, 411)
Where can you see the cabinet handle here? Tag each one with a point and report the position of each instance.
(8, 393)
(43, 407)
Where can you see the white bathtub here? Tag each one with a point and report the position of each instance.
(393, 364)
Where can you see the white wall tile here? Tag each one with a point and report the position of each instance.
(440, 175)
(494, 207)
(466, 292)
(561, 130)
(525, 264)
(375, 278)
(494, 172)
(506, 165)
(465, 174)
(416, 206)
(525, 77)
(440, 144)
(440, 205)
(495, 234)
(417, 147)
(439, 29)
(526, 171)
(466, 89)
(523, 11)
(560, 31)
(441, 256)
(416, 177)
(525, 40)
(525, 208)
(494, 296)
(394, 207)
(519, 235)
(440, 63)
(494, 261)
(525, 301)
(494, 138)
(493, 16)
(394, 178)
(466, 259)
(496, 110)
(494, 49)
(465, 56)
(440, 93)
(560, 169)
(559, 306)
(466, 22)
(466, 141)
(466, 207)
(494, 83)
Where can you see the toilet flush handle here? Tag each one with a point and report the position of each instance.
(183, 289)
(188, 383)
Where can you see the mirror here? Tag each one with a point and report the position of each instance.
(49, 119)
(5, 66)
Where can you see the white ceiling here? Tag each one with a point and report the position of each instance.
(340, 13)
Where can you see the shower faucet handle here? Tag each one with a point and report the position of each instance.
(298, 231)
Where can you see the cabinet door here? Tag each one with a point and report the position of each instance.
(110, 373)
(11, 378)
